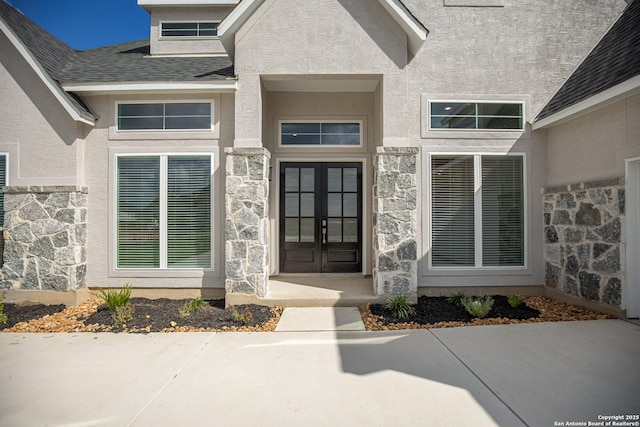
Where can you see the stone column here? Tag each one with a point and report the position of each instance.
(395, 248)
(247, 221)
(45, 234)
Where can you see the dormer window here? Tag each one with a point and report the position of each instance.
(206, 29)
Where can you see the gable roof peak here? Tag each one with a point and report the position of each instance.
(416, 32)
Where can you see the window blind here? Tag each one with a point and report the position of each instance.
(138, 212)
(452, 211)
(502, 211)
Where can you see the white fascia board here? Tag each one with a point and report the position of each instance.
(623, 90)
(416, 32)
(181, 3)
(230, 25)
(43, 75)
(225, 86)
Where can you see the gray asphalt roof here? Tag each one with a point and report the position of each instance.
(615, 59)
(131, 62)
(50, 52)
(126, 62)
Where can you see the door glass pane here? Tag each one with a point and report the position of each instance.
(307, 179)
(334, 179)
(350, 206)
(350, 179)
(307, 229)
(334, 230)
(291, 205)
(307, 204)
(350, 230)
(334, 207)
(291, 179)
(291, 230)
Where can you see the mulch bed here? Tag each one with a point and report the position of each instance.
(438, 312)
(163, 315)
(159, 315)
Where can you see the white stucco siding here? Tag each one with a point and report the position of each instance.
(43, 141)
(594, 147)
(104, 143)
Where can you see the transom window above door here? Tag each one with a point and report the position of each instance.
(320, 133)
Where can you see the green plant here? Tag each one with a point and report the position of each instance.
(478, 307)
(514, 301)
(243, 317)
(192, 305)
(123, 314)
(115, 298)
(456, 299)
(3, 317)
(399, 307)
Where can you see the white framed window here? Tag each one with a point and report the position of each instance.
(4, 169)
(320, 133)
(189, 29)
(163, 211)
(164, 116)
(477, 211)
(476, 115)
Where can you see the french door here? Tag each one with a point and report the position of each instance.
(320, 217)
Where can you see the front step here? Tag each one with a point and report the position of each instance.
(319, 319)
(313, 291)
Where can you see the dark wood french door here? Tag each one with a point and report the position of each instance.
(320, 217)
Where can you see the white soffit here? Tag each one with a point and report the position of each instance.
(324, 85)
(599, 100)
(150, 87)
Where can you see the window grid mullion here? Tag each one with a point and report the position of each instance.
(477, 174)
(164, 165)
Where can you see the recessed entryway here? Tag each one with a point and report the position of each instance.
(320, 217)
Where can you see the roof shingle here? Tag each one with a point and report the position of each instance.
(615, 59)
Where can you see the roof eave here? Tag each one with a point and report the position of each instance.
(114, 88)
(609, 96)
(53, 87)
(415, 30)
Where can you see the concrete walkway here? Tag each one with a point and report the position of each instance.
(511, 375)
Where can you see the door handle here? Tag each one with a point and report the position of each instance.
(324, 231)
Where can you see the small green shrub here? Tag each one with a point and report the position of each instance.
(400, 307)
(514, 301)
(478, 307)
(243, 317)
(3, 317)
(115, 298)
(191, 306)
(123, 315)
(456, 299)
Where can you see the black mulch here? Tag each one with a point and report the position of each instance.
(430, 310)
(159, 313)
(23, 313)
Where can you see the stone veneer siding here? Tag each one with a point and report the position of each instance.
(583, 248)
(45, 238)
(395, 249)
(247, 221)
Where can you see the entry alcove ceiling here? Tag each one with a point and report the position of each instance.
(360, 83)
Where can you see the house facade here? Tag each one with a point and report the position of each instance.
(245, 141)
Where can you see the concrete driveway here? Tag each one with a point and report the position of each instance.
(540, 374)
